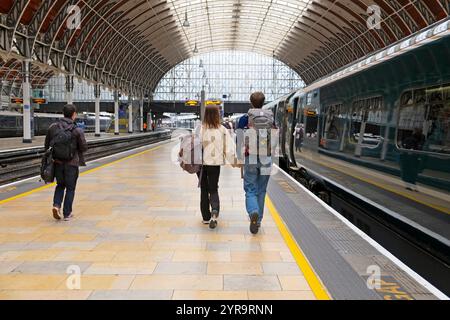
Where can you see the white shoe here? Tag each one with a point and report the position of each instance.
(68, 218)
(206, 222)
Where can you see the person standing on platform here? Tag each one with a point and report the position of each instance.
(68, 145)
(258, 163)
(298, 135)
(218, 150)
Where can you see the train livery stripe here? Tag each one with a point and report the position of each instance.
(385, 187)
(316, 285)
(22, 195)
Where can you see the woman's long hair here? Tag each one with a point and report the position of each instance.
(212, 117)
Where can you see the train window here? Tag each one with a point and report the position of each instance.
(334, 122)
(424, 124)
(309, 99)
(8, 122)
(367, 118)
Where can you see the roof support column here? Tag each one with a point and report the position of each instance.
(97, 91)
(141, 113)
(130, 114)
(69, 88)
(26, 102)
(116, 113)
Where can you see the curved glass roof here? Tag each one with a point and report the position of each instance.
(244, 24)
(130, 45)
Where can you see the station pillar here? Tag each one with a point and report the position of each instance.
(97, 91)
(141, 113)
(116, 113)
(130, 115)
(203, 104)
(69, 89)
(26, 102)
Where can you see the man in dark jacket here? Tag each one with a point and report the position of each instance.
(66, 171)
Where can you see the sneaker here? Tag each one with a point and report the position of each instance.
(214, 217)
(57, 213)
(69, 217)
(206, 222)
(254, 224)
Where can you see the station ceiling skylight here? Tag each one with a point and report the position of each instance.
(132, 44)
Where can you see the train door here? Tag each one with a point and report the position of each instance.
(281, 125)
(291, 115)
(311, 114)
(299, 124)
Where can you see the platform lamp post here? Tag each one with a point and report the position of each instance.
(69, 88)
(97, 92)
(26, 102)
(116, 113)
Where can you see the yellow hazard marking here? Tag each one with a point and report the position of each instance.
(316, 285)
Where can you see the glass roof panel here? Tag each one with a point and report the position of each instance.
(206, 24)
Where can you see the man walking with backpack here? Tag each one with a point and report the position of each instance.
(257, 124)
(68, 144)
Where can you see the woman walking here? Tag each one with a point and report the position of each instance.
(218, 150)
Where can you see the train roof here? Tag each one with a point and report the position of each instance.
(434, 33)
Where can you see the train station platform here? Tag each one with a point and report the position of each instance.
(137, 234)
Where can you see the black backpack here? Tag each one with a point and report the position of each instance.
(63, 144)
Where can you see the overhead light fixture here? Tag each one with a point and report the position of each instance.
(186, 23)
(201, 64)
(195, 48)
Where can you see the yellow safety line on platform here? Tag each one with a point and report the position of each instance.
(21, 195)
(310, 276)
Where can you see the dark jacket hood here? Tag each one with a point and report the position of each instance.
(66, 122)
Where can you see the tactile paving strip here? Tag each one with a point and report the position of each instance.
(340, 279)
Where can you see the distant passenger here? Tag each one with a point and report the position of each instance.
(257, 168)
(410, 161)
(68, 145)
(145, 126)
(218, 150)
(299, 133)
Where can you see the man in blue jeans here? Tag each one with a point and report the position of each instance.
(257, 168)
(68, 144)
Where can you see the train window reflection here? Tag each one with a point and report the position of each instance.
(424, 124)
(334, 122)
(311, 121)
(367, 118)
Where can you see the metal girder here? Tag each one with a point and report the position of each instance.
(150, 38)
(86, 24)
(445, 5)
(133, 32)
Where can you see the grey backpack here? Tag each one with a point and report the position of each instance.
(262, 121)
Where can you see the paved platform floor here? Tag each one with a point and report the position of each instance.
(137, 234)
